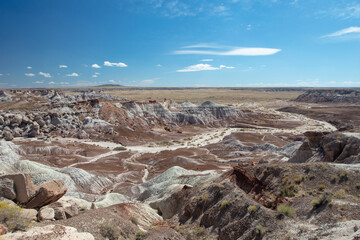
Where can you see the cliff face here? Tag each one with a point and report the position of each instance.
(335, 95)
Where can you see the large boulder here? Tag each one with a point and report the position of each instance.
(7, 189)
(53, 232)
(24, 187)
(47, 193)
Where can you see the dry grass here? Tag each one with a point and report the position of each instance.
(218, 95)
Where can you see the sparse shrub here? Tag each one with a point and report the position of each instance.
(139, 235)
(322, 187)
(120, 148)
(10, 215)
(342, 207)
(298, 179)
(165, 143)
(109, 230)
(224, 204)
(259, 230)
(341, 194)
(289, 190)
(347, 189)
(358, 185)
(286, 210)
(205, 197)
(200, 231)
(334, 179)
(315, 203)
(134, 220)
(252, 209)
(343, 176)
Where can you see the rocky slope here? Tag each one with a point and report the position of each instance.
(327, 95)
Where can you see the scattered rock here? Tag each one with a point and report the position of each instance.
(46, 213)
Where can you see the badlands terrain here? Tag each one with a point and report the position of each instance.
(209, 163)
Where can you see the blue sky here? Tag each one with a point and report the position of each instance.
(229, 43)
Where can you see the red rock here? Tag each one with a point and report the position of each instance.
(47, 193)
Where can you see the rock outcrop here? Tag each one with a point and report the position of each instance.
(47, 193)
(333, 95)
(325, 147)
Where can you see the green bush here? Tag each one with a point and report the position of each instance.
(224, 204)
(324, 200)
(11, 217)
(259, 230)
(134, 220)
(322, 187)
(139, 235)
(205, 197)
(120, 149)
(252, 209)
(298, 179)
(289, 190)
(286, 210)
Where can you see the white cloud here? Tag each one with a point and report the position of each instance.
(248, 27)
(227, 67)
(202, 67)
(63, 66)
(343, 32)
(159, 65)
(211, 49)
(1, 74)
(110, 64)
(38, 82)
(51, 82)
(29, 67)
(29, 74)
(207, 60)
(95, 66)
(72, 75)
(112, 81)
(147, 81)
(97, 73)
(94, 75)
(47, 75)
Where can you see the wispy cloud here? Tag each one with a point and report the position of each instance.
(72, 75)
(63, 66)
(147, 81)
(94, 76)
(159, 65)
(203, 67)
(29, 74)
(351, 10)
(51, 82)
(38, 82)
(209, 49)
(1, 74)
(342, 32)
(29, 67)
(112, 81)
(207, 60)
(110, 64)
(95, 65)
(47, 75)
